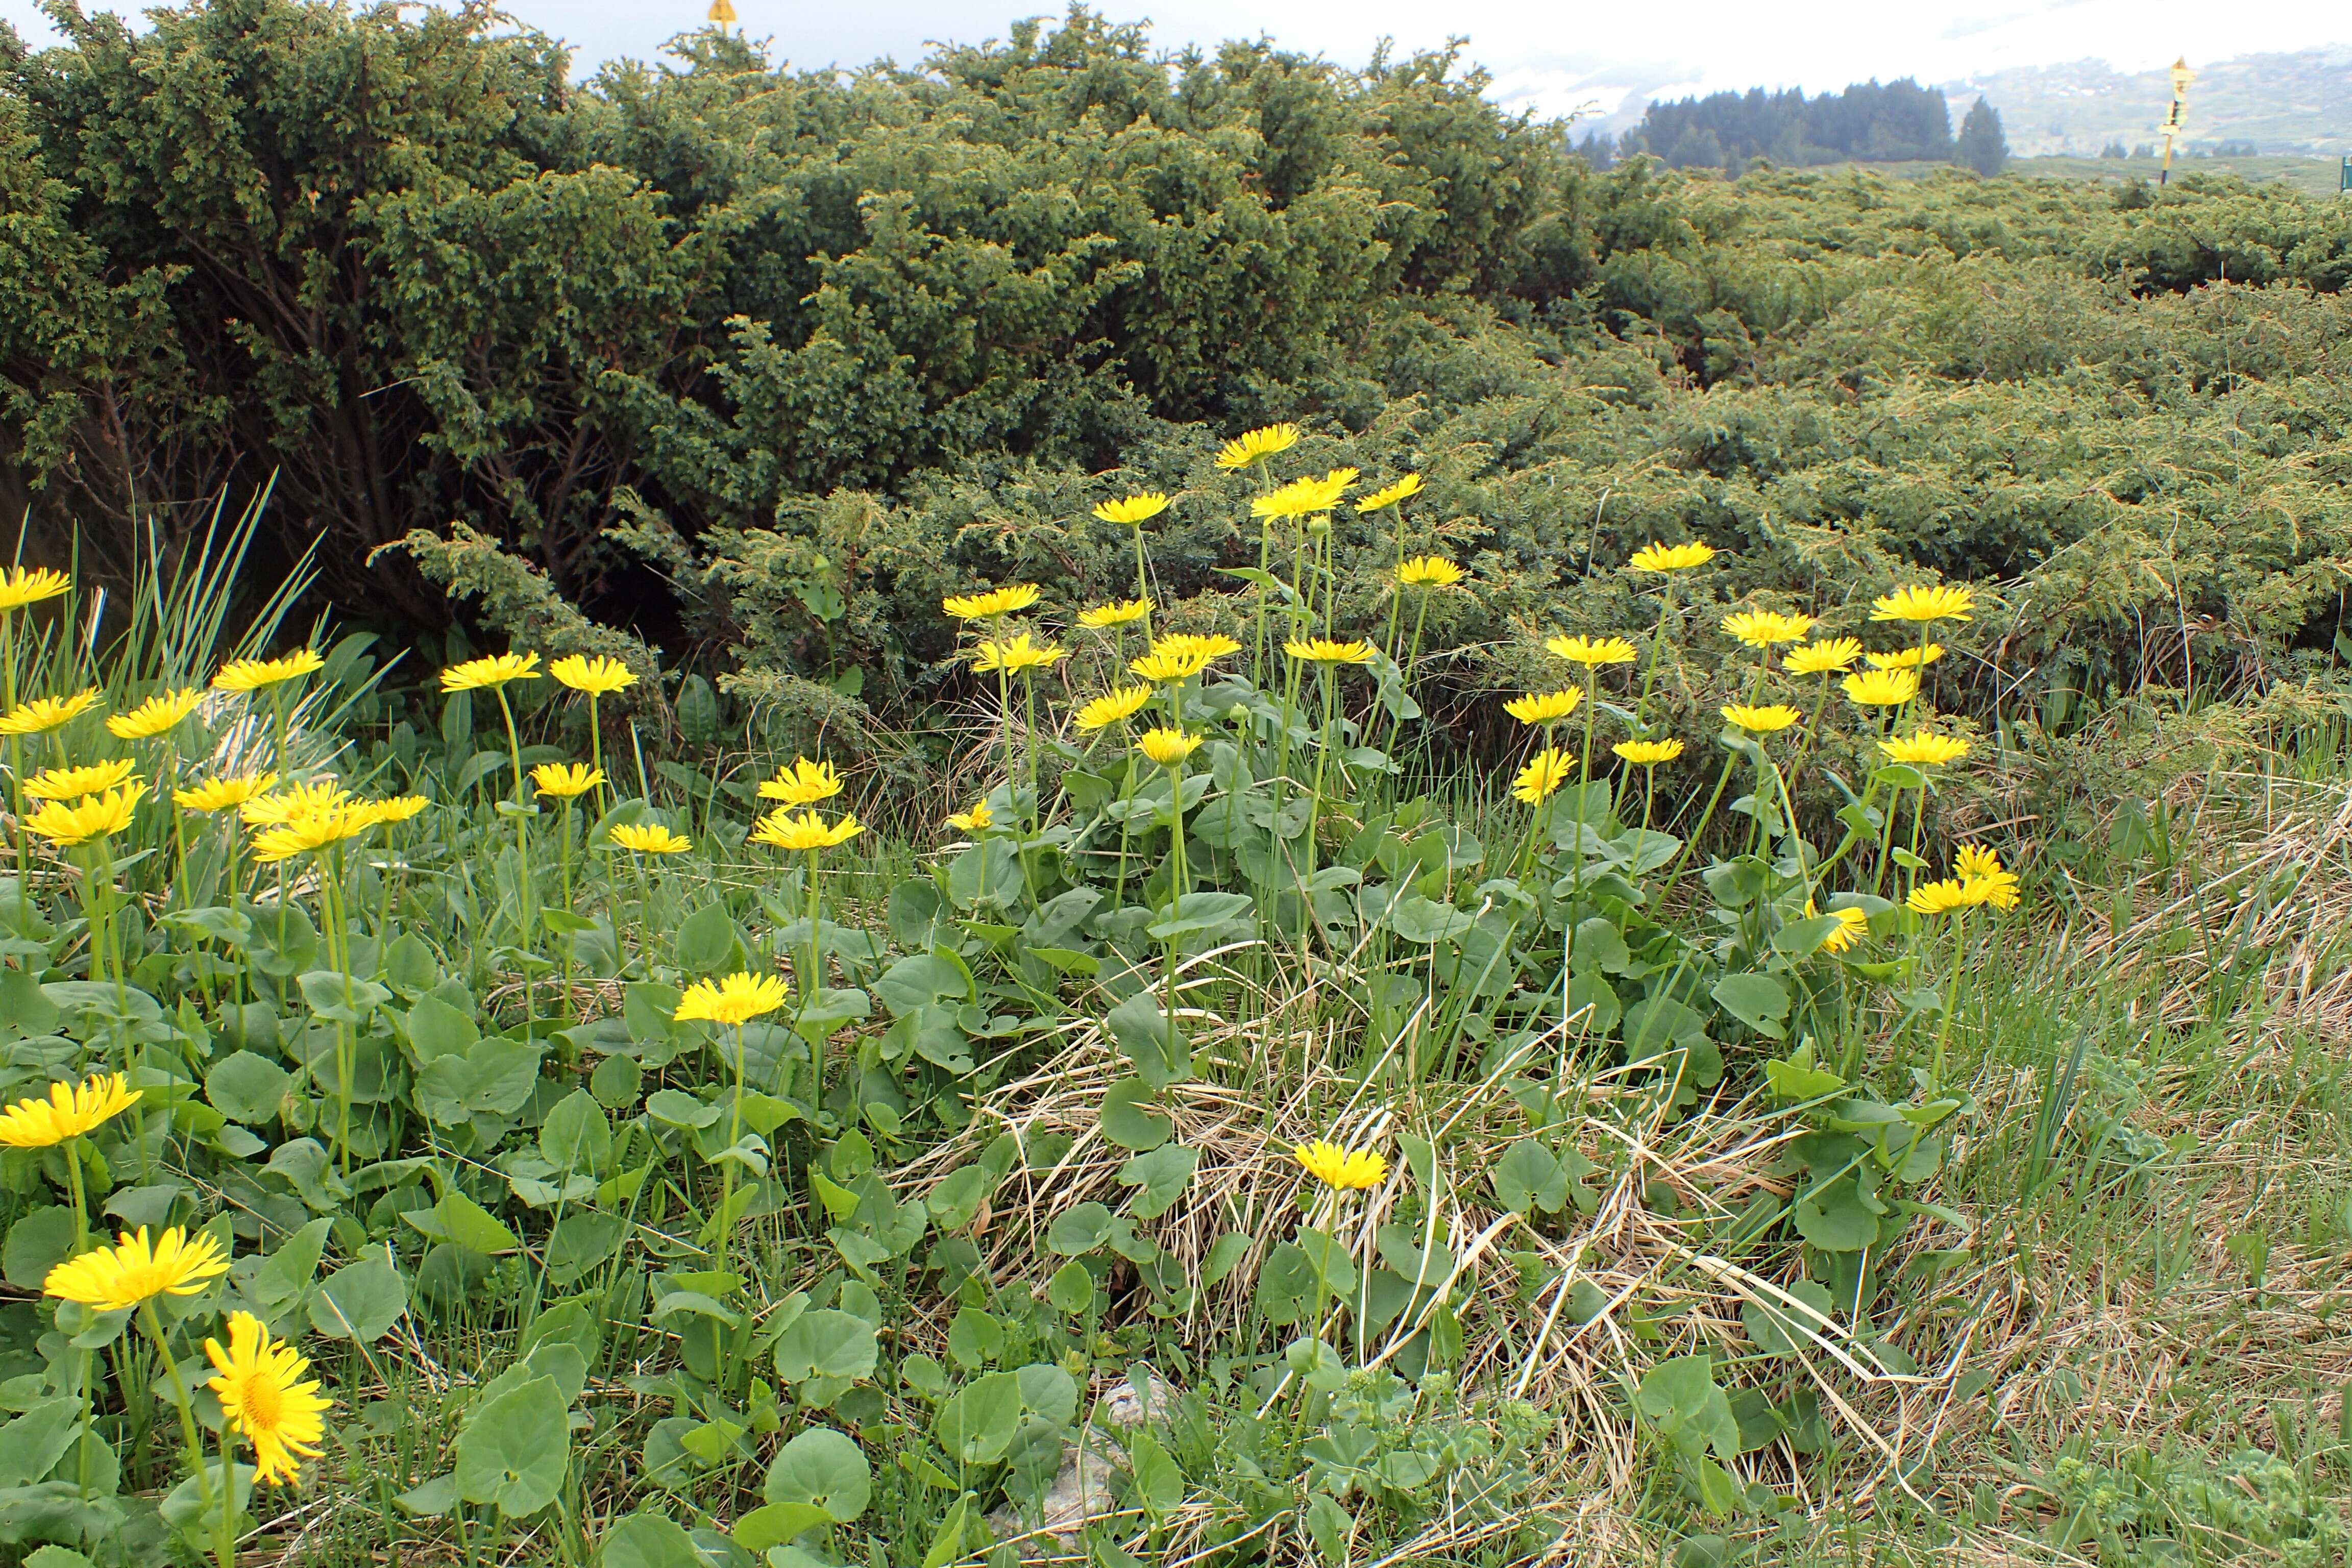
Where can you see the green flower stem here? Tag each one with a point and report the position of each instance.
(331, 910)
(1951, 991)
(811, 981)
(1125, 823)
(1657, 648)
(72, 1149)
(523, 842)
(596, 754)
(15, 764)
(563, 857)
(1142, 584)
(186, 1407)
(1315, 806)
(225, 1544)
(1175, 895)
(1576, 871)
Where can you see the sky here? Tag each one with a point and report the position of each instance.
(1553, 58)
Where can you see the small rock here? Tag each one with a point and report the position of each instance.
(1082, 1489)
(1080, 1492)
(1124, 1407)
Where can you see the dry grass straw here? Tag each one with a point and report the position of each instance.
(1289, 1074)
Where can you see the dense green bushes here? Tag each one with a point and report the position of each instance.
(758, 362)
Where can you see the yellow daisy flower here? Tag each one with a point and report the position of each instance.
(988, 606)
(1323, 651)
(1925, 751)
(802, 784)
(650, 838)
(1918, 603)
(253, 674)
(1591, 651)
(1255, 447)
(1673, 557)
(1764, 721)
(1762, 628)
(1429, 572)
(1304, 498)
(1134, 510)
(1112, 708)
(1120, 612)
(118, 1278)
(295, 800)
(311, 831)
(1882, 688)
(1544, 707)
(490, 671)
(265, 1400)
(1941, 898)
(1852, 926)
(71, 1110)
(1648, 753)
(1980, 867)
(43, 714)
(219, 794)
(1388, 496)
(806, 833)
(1907, 657)
(72, 783)
(96, 816)
(22, 585)
(1833, 655)
(1341, 1170)
(977, 820)
(155, 716)
(1167, 747)
(1541, 778)
(399, 808)
(598, 677)
(737, 999)
(1213, 646)
(1015, 655)
(565, 781)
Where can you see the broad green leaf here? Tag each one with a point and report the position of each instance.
(248, 1088)
(360, 1301)
(1129, 1120)
(39, 1240)
(976, 1425)
(1079, 1230)
(1838, 1217)
(1681, 1400)
(514, 1450)
(826, 1343)
(1072, 1288)
(458, 1219)
(1758, 1001)
(1163, 1173)
(340, 998)
(648, 1541)
(822, 1468)
(1528, 1178)
(286, 1272)
(1154, 1042)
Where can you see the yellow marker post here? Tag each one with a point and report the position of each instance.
(2173, 124)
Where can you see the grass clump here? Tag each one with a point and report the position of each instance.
(1227, 1135)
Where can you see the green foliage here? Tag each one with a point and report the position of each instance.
(814, 350)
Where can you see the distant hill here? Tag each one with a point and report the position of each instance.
(2299, 103)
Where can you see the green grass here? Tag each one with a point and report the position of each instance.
(1996, 1236)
